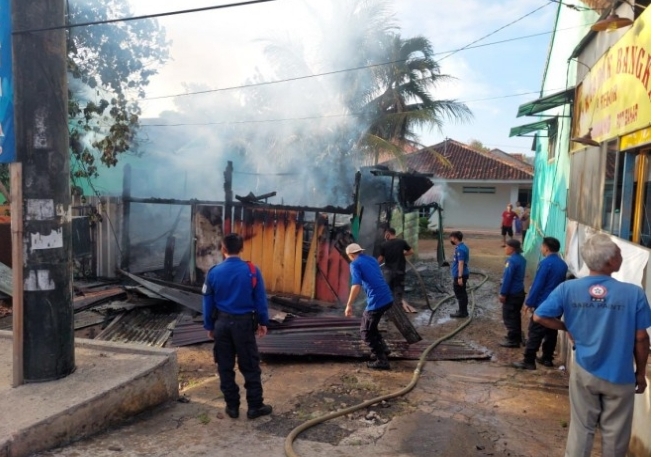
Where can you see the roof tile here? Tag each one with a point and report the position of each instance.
(466, 163)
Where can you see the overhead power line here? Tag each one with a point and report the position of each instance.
(495, 31)
(572, 6)
(138, 18)
(344, 70)
(324, 116)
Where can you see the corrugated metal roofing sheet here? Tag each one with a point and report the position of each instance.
(326, 336)
(141, 326)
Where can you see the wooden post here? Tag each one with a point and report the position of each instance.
(227, 186)
(192, 246)
(16, 171)
(42, 147)
(125, 227)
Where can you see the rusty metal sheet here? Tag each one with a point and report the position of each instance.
(89, 318)
(189, 300)
(325, 336)
(90, 299)
(141, 326)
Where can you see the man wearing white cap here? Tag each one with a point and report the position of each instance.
(365, 272)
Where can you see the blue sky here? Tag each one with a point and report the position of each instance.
(221, 48)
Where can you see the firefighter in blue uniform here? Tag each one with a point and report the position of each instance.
(551, 273)
(512, 293)
(235, 309)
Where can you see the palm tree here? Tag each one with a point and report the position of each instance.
(403, 102)
(377, 108)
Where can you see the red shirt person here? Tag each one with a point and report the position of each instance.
(508, 218)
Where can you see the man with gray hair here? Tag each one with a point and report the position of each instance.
(607, 321)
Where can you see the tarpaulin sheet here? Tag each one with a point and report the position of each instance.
(635, 258)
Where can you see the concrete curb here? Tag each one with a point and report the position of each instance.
(152, 383)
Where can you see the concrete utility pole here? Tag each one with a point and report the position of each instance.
(41, 115)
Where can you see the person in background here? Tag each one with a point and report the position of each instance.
(392, 254)
(235, 309)
(551, 272)
(525, 222)
(460, 272)
(507, 221)
(607, 321)
(365, 272)
(512, 293)
(518, 227)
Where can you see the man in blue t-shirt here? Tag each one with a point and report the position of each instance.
(607, 321)
(365, 272)
(512, 293)
(460, 272)
(551, 272)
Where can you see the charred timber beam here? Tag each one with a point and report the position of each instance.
(171, 201)
(400, 174)
(125, 230)
(403, 324)
(251, 198)
(326, 209)
(227, 187)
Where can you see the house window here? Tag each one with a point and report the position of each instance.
(552, 140)
(618, 184)
(478, 190)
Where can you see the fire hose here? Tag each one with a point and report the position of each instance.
(288, 443)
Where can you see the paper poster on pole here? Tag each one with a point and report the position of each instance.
(7, 137)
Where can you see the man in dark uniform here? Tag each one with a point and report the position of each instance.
(512, 293)
(551, 272)
(235, 308)
(460, 272)
(365, 272)
(392, 253)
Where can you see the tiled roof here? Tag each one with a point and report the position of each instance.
(466, 163)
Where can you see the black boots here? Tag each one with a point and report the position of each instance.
(459, 315)
(523, 365)
(263, 410)
(380, 363)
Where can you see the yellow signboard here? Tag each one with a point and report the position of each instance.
(614, 97)
(635, 139)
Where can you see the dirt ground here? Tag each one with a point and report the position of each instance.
(463, 408)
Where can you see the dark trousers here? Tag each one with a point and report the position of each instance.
(235, 338)
(369, 329)
(512, 316)
(537, 334)
(461, 295)
(396, 282)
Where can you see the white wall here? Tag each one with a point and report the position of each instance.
(477, 210)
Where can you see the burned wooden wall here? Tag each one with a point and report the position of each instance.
(297, 256)
(208, 231)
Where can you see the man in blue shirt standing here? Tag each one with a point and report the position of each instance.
(607, 320)
(460, 272)
(365, 272)
(551, 272)
(235, 308)
(512, 293)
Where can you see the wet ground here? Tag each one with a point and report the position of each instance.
(465, 408)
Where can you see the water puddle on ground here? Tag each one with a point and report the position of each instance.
(422, 318)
